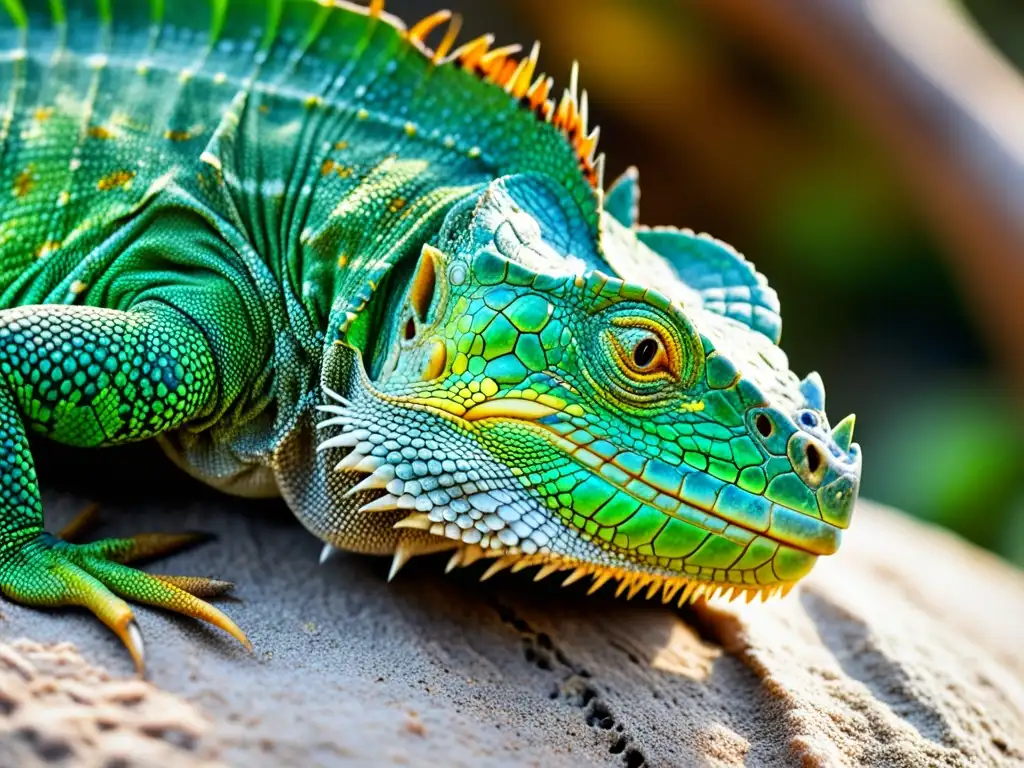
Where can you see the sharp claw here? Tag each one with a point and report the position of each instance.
(132, 638)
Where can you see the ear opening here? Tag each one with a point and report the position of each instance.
(424, 282)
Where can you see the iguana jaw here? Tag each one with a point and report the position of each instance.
(780, 523)
(793, 556)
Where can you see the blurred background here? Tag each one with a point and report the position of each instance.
(868, 156)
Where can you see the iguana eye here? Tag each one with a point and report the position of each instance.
(645, 353)
(642, 351)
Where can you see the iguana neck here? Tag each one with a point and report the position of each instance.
(356, 236)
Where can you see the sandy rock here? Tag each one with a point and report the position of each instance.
(904, 649)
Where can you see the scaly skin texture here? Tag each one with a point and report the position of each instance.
(316, 258)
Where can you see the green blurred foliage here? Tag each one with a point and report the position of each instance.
(732, 141)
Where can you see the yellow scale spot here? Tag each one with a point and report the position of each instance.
(362, 114)
(693, 407)
(410, 129)
(313, 101)
(78, 287)
(342, 260)
(63, 198)
(25, 181)
(99, 132)
(46, 248)
(172, 135)
(220, 78)
(474, 152)
(396, 205)
(329, 167)
(186, 75)
(42, 114)
(118, 179)
(341, 145)
(449, 142)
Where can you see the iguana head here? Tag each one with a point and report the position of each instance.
(526, 405)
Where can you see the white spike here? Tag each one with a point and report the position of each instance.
(454, 561)
(418, 522)
(403, 553)
(471, 554)
(546, 571)
(369, 483)
(335, 396)
(369, 464)
(576, 575)
(385, 503)
(327, 553)
(349, 461)
(344, 440)
(335, 409)
(574, 80)
(498, 565)
(584, 112)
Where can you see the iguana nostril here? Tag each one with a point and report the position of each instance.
(814, 459)
(764, 425)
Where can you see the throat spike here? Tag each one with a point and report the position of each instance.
(521, 563)
(349, 462)
(635, 587)
(327, 553)
(344, 440)
(419, 522)
(546, 571)
(454, 561)
(497, 566)
(576, 575)
(386, 503)
(599, 582)
(382, 475)
(471, 554)
(687, 593)
(671, 587)
(335, 396)
(624, 582)
(403, 553)
(653, 588)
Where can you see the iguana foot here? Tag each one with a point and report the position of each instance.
(46, 571)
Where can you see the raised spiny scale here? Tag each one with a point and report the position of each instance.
(629, 583)
(516, 76)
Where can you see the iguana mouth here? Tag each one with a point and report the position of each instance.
(733, 506)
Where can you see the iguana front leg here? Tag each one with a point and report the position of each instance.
(93, 377)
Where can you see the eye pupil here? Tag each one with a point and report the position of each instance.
(644, 353)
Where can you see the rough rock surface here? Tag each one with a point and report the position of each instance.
(904, 649)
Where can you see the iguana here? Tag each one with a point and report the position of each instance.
(316, 258)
